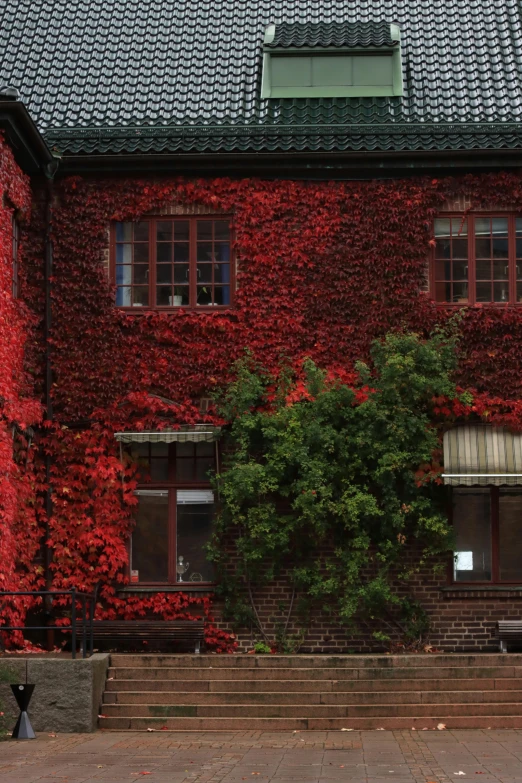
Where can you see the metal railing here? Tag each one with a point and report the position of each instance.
(86, 618)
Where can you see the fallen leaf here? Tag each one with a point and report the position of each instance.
(102, 716)
(51, 735)
(151, 729)
(109, 679)
(441, 726)
(459, 773)
(346, 729)
(379, 729)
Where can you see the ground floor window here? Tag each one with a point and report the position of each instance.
(488, 529)
(175, 512)
(172, 529)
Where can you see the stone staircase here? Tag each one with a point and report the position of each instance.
(309, 692)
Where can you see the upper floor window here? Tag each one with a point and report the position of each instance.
(173, 262)
(478, 259)
(16, 269)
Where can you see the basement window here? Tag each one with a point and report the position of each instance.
(332, 60)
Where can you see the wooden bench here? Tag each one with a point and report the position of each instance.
(509, 632)
(184, 633)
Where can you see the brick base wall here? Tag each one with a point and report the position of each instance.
(462, 619)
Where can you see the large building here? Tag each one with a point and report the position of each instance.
(184, 180)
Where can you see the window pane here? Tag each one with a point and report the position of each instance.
(500, 270)
(123, 274)
(181, 273)
(141, 232)
(500, 292)
(184, 470)
(123, 254)
(194, 528)
(205, 252)
(484, 292)
(204, 273)
(181, 251)
(140, 296)
(123, 232)
(181, 296)
(164, 273)
(205, 449)
(141, 254)
(460, 292)
(472, 525)
(204, 229)
(442, 227)
(222, 295)
(181, 230)
(164, 231)
(159, 469)
(510, 535)
(204, 295)
(460, 271)
(163, 252)
(141, 273)
(203, 468)
(221, 229)
(123, 297)
(185, 448)
(460, 248)
(483, 248)
(150, 539)
(164, 296)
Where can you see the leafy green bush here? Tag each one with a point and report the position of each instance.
(321, 485)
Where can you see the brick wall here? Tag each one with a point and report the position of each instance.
(462, 619)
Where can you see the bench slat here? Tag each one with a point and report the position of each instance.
(151, 630)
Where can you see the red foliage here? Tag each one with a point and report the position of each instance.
(19, 532)
(325, 268)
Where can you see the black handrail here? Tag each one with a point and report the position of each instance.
(86, 622)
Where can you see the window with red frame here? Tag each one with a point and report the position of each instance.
(174, 514)
(16, 268)
(486, 522)
(477, 259)
(173, 262)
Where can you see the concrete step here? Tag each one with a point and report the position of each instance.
(397, 672)
(274, 697)
(311, 686)
(310, 724)
(145, 661)
(308, 711)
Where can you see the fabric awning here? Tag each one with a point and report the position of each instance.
(196, 434)
(482, 455)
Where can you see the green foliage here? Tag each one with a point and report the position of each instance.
(320, 483)
(260, 648)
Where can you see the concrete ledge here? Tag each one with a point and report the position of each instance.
(67, 696)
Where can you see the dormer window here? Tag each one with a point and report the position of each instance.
(331, 60)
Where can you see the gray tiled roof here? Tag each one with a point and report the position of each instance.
(167, 75)
(349, 34)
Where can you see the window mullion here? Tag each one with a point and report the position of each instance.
(472, 268)
(512, 260)
(152, 263)
(495, 570)
(192, 263)
(172, 536)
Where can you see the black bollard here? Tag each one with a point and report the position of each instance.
(23, 728)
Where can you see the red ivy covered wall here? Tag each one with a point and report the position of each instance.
(323, 270)
(19, 410)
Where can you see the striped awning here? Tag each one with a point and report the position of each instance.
(196, 434)
(482, 455)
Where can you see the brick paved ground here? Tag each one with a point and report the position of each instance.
(286, 757)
